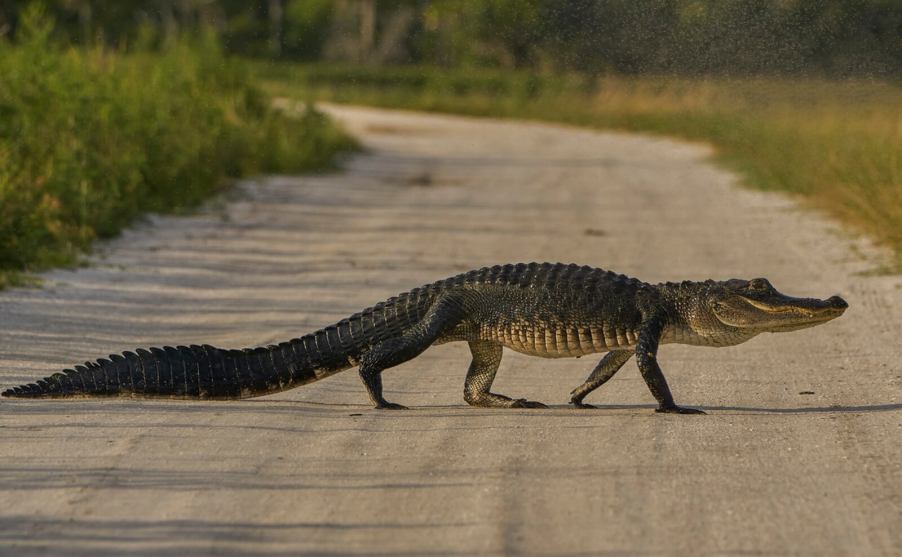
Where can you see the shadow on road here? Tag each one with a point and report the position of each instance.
(811, 410)
(326, 410)
(94, 537)
(756, 410)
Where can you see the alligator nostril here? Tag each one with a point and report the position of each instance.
(837, 302)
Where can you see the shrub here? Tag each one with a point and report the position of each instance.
(89, 139)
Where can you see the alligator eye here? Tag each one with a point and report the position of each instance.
(759, 284)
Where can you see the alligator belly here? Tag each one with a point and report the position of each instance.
(546, 353)
(546, 342)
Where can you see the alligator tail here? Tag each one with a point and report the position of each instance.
(198, 372)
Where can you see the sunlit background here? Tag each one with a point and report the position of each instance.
(111, 109)
(837, 38)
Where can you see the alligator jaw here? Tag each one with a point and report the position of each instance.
(811, 307)
(785, 313)
(755, 306)
(826, 310)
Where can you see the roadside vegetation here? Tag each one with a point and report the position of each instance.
(131, 106)
(91, 138)
(836, 143)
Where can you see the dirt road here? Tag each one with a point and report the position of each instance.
(315, 470)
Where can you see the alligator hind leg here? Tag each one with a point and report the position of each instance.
(606, 368)
(443, 315)
(486, 359)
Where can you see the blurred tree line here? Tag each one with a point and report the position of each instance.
(734, 37)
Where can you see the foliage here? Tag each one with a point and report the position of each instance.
(134, 117)
(837, 144)
(89, 139)
(684, 37)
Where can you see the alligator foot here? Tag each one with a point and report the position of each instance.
(523, 403)
(679, 410)
(581, 404)
(390, 406)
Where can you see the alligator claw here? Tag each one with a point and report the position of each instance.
(679, 410)
(581, 404)
(523, 403)
(391, 406)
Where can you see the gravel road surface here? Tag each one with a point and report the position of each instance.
(770, 471)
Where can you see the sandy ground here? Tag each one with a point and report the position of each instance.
(770, 471)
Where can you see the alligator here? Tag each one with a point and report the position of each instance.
(551, 310)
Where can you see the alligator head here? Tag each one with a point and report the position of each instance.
(756, 304)
(733, 311)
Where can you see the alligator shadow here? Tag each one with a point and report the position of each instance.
(315, 409)
(837, 409)
(76, 537)
(811, 409)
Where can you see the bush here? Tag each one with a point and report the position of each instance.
(89, 139)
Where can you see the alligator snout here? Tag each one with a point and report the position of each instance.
(837, 303)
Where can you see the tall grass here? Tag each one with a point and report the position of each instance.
(89, 139)
(837, 144)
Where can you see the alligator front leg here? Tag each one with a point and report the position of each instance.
(646, 357)
(486, 359)
(606, 368)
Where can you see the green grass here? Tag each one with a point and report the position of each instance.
(90, 139)
(836, 144)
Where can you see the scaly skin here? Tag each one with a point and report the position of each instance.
(540, 309)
